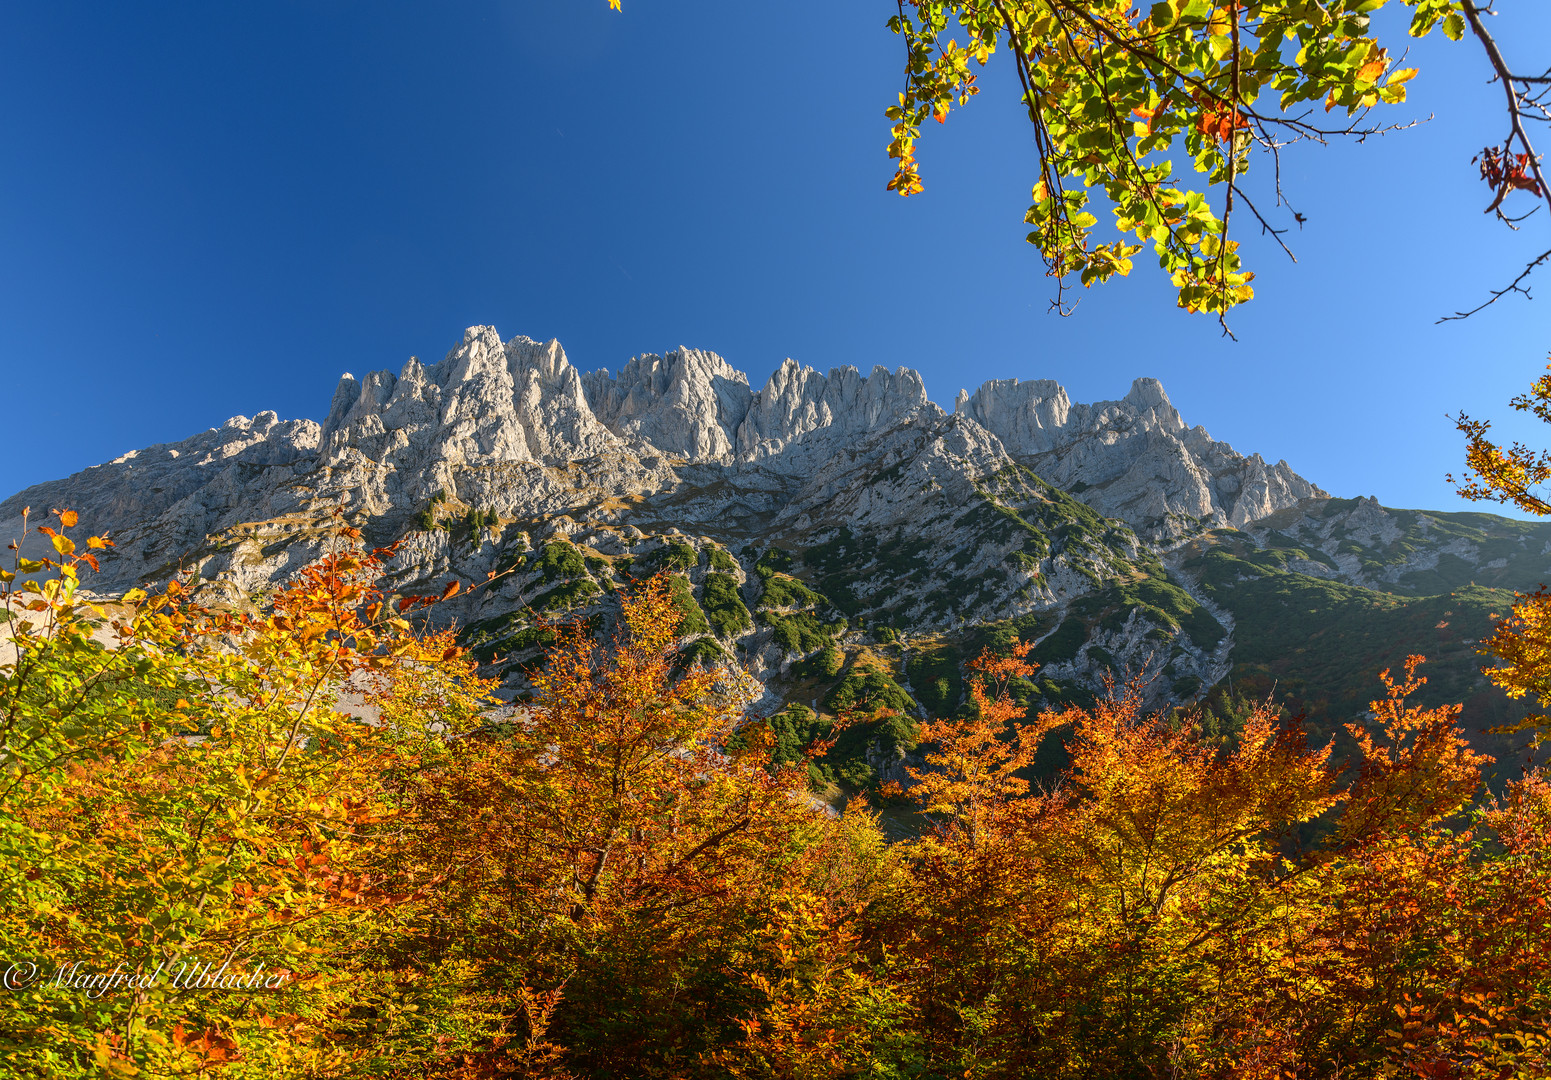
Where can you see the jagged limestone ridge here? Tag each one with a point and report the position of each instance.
(899, 519)
(513, 428)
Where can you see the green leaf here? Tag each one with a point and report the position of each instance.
(1454, 26)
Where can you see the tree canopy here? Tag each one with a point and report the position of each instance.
(214, 868)
(1115, 91)
(1173, 117)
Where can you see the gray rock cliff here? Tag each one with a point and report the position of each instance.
(676, 441)
(1135, 458)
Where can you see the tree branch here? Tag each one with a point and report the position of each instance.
(1497, 294)
(1515, 132)
(1515, 114)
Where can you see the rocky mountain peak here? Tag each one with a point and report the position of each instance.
(485, 402)
(1153, 407)
(1028, 415)
(1133, 459)
(688, 403)
(514, 429)
(799, 417)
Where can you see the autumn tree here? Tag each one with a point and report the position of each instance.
(324, 794)
(1515, 475)
(1195, 906)
(625, 877)
(610, 845)
(184, 790)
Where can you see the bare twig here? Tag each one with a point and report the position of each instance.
(1514, 286)
(1265, 226)
(1516, 100)
(1515, 113)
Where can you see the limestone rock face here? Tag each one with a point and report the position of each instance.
(161, 502)
(687, 404)
(1028, 415)
(820, 511)
(485, 402)
(903, 516)
(678, 441)
(1135, 458)
(800, 418)
(886, 481)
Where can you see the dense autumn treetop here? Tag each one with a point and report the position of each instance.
(618, 878)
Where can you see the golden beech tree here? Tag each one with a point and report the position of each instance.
(607, 846)
(1071, 929)
(1508, 474)
(1512, 474)
(182, 798)
(1415, 767)
(972, 766)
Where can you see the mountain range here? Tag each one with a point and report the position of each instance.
(840, 535)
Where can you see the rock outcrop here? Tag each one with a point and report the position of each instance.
(799, 418)
(687, 404)
(485, 403)
(1135, 458)
(512, 428)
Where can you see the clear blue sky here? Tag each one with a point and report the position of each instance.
(213, 209)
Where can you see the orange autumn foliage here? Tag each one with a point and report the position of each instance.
(972, 768)
(1238, 908)
(606, 843)
(186, 786)
(617, 878)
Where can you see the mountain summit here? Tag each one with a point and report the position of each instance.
(513, 429)
(841, 536)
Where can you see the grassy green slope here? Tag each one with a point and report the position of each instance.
(1470, 548)
(1321, 644)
